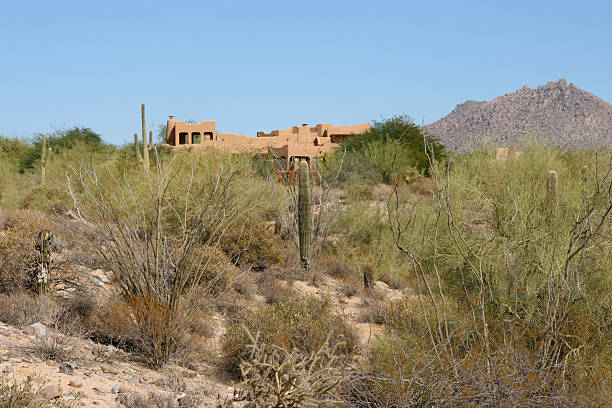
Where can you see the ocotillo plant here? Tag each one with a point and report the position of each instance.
(44, 157)
(551, 185)
(304, 213)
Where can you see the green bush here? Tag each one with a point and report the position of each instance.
(398, 142)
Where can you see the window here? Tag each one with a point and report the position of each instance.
(196, 138)
(182, 138)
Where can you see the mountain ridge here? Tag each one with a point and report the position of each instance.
(557, 113)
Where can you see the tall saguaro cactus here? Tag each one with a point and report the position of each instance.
(44, 157)
(145, 147)
(144, 157)
(304, 214)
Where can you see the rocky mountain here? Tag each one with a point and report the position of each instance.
(557, 113)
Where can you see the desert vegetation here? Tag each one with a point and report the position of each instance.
(428, 278)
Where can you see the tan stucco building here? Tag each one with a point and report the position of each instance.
(298, 142)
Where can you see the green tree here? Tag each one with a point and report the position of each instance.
(400, 130)
(61, 140)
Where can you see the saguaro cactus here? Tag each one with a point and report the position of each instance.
(44, 157)
(137, 145)
(551, 184)
(145, 147)
(144, 157)
(304, 213)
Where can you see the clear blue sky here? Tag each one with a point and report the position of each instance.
(264, 65)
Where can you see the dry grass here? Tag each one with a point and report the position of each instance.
(23, 309)
(13, 395)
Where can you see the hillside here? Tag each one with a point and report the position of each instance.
(557, 113)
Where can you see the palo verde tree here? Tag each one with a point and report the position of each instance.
(378, 146)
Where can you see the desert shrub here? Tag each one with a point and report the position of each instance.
(303, 324)
(158, 234)
(151, 400)
(47, 198)
(17, 253)
(23, 309)
(273, 290)
(335, 267)
(13, 395)
(360, 192)
(250, 242)
(504, 267)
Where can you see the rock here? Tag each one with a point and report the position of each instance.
(109, 370)
(99, 273)
(116, 388)
(37, 329)
(26, 360)
(96, 282)
(75, 384)
(66, 368)
(7, 369)
(133, 380)
(69, 397)
(51, 391)
(101, 389)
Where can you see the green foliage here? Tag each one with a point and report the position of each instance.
(399, 139)
(61, 141)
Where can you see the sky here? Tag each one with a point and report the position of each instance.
(265, 65)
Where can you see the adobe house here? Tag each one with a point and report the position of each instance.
(298, 142)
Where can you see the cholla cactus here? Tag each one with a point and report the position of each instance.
(304, 214)
(276, 377)
(43, 246)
